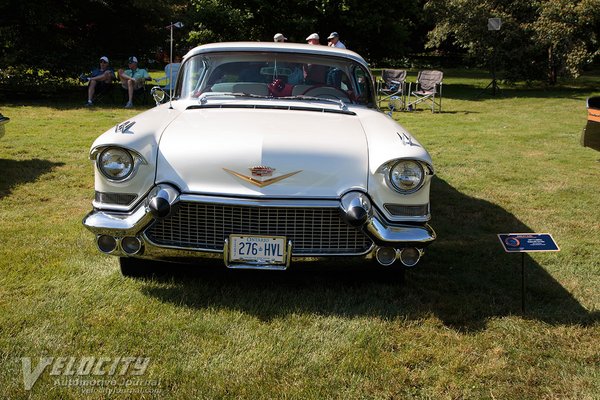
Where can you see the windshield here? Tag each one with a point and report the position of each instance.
(276, 75)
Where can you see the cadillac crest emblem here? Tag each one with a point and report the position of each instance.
(261, 171)
(261, 175)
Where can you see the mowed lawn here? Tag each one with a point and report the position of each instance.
(453, 329)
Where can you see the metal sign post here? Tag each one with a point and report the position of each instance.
(494, 24)
(526, 243)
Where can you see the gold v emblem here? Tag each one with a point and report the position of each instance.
(260, 183)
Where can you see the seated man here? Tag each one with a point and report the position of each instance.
(133, 79)
(100, 80)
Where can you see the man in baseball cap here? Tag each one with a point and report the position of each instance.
(313, 38)
(334, 40)
(99, 81)
(279, 38)
(133, 79)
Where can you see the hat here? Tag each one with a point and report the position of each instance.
(279, 37)
(132, 59)
(313, 36)
(333, 34)
(104, 58)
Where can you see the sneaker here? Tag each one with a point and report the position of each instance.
(129, 105)
(89, 103)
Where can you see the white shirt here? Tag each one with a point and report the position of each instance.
(339, 45)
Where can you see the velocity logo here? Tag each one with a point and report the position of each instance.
(70, 370)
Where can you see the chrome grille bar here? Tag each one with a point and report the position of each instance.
(205, 226)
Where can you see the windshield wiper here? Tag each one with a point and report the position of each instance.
(339, 102)
(204, 97)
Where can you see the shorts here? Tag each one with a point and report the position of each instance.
(138, 84)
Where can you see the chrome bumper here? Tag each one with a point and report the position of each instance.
(119, 225)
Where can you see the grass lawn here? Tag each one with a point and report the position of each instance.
(453, 329)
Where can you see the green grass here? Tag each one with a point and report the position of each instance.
(453, 329)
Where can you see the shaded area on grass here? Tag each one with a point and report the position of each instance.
(476, 93)
(464, 279)
(15, 172)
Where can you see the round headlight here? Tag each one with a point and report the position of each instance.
(406, 176)
(116, 164)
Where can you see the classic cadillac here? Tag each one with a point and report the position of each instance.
(265, 154)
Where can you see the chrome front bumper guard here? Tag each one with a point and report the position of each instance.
(118, 224)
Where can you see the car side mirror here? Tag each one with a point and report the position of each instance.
(158, 94)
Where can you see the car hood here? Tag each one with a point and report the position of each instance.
(300, 153)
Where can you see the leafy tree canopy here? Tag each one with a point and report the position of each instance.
(539, 38)
(375, 29)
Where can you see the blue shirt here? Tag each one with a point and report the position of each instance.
(97, 72)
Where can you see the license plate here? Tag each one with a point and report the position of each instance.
(257, 249)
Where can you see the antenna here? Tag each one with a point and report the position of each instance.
(173, 25)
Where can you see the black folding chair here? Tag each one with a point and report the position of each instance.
(392, 88)
(428, 88)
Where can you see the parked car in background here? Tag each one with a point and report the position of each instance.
(3, 121)
(591, 133)
(267, 154)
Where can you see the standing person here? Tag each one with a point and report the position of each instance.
(334, 41)
(334, 76)
(133, 78)
(100, 80)
(279, 38)
(314, 74)
(313, 38)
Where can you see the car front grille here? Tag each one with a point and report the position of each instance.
(205, 226)
(122, 199)
(407, 211)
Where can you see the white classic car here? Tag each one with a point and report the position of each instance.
(267, 153)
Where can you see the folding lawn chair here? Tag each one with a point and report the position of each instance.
(392, 88)
(171, 71)
(428, 88)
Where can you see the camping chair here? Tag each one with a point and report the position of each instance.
(392, 88)
(171, 71)
(428, 88)
(103, 93)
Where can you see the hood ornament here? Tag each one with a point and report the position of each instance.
(124, 127)
(258, 175)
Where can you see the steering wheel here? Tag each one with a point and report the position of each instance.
(327, 92)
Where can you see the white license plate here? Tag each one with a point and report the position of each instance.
(257, 249)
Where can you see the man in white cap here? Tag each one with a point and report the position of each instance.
(279, 38)
(313, 38)
(99, 81)
(133, 79)
(334, 41)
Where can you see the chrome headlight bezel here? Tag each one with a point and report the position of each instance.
(134, 161)
(417, 168)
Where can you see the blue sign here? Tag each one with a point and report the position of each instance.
(527, 242)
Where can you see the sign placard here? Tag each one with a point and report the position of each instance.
(494, 24)
(527, 242)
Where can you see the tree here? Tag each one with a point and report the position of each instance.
(374, 29)
(69, 36)
(538, 39)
